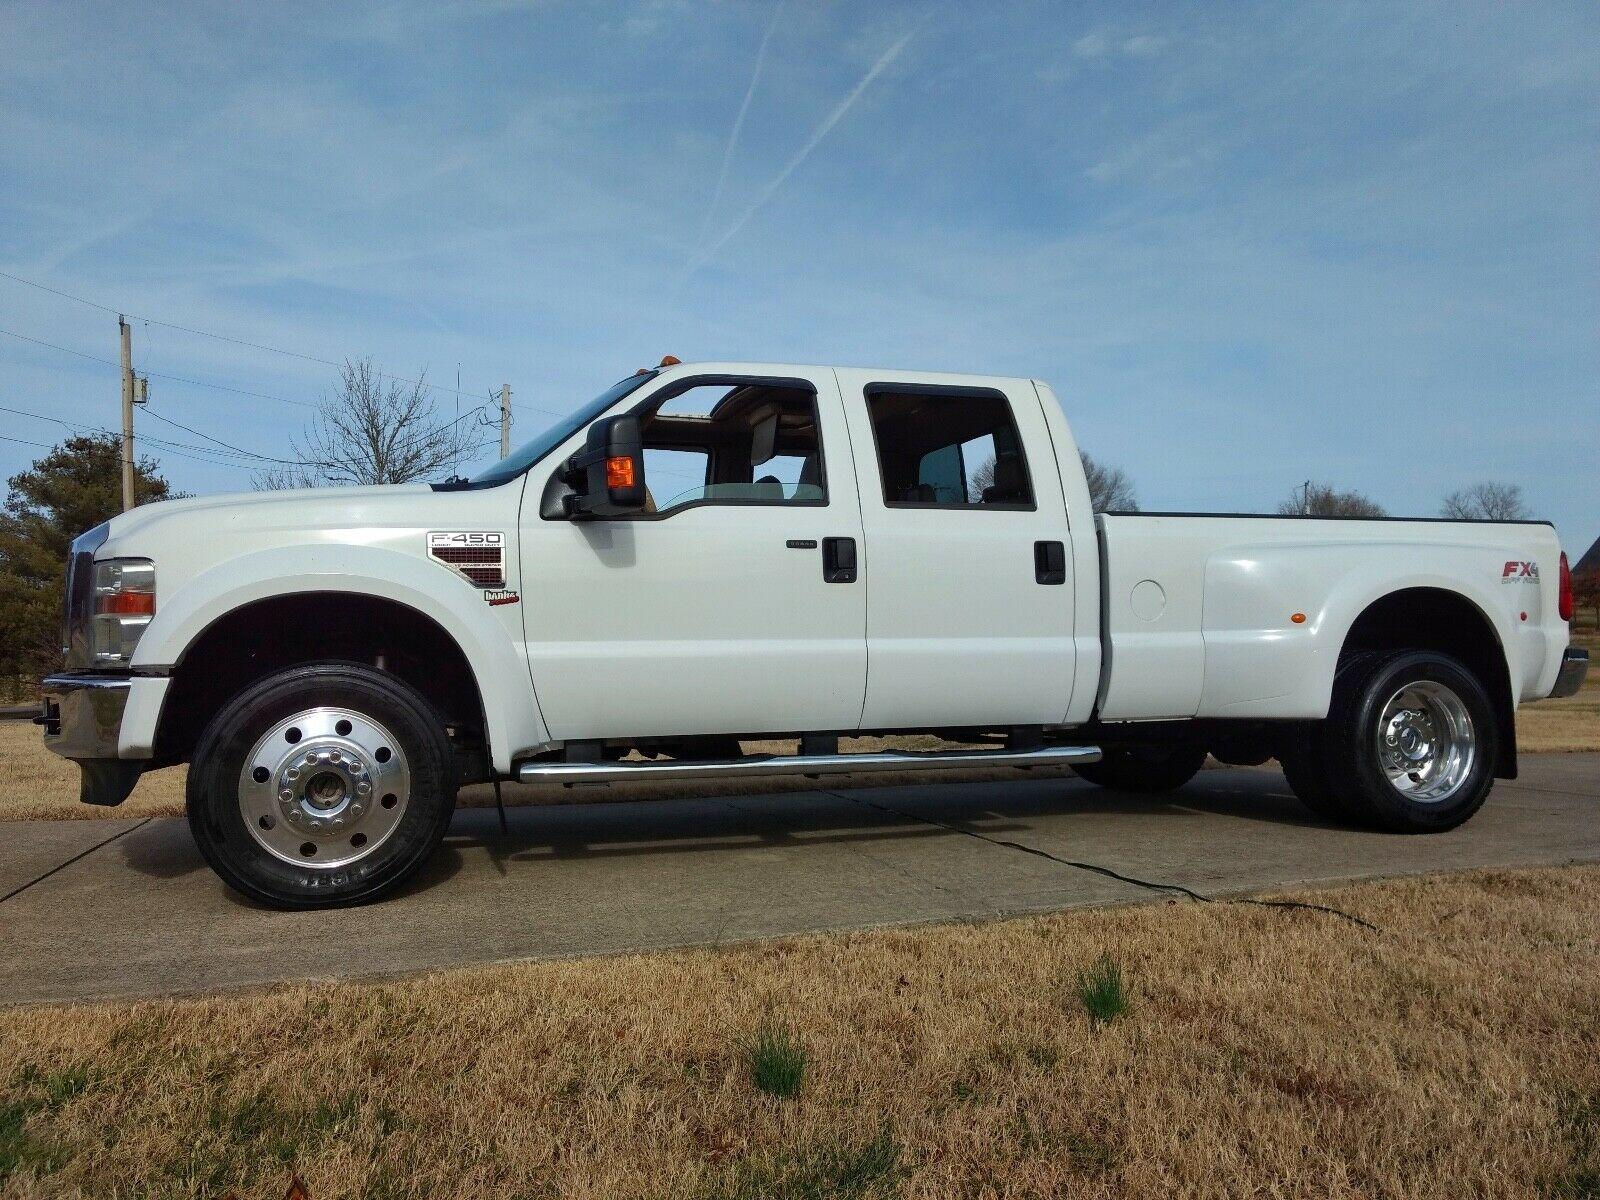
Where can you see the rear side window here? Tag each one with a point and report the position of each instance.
(948, 449)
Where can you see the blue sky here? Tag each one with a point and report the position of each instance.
(1247, 245)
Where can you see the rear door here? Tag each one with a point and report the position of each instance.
(970, 608)
(718, 609)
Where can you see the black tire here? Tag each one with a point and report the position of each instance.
(1298, 756)
(1348, 745)
(216, 788)
(1148, 770)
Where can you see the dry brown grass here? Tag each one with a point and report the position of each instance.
(1266, 1052)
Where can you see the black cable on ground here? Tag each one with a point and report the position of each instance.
(17, 891)
(1107, 871)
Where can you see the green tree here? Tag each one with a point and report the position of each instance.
(73, 488)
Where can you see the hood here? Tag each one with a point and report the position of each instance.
(255, 510)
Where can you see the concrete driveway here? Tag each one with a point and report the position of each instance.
(141, 915)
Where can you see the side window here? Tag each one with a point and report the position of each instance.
(947, 449)
(733, 443)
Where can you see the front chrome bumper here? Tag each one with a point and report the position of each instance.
(82, 714)
(1574, 666)
(82, 719)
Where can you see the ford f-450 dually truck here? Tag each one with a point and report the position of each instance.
(713, 552)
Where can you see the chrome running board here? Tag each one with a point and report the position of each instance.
(804, 764)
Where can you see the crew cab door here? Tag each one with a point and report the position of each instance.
(736, 602)
(970, 612)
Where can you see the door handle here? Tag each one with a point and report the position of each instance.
(1049, 562)
(839, 560)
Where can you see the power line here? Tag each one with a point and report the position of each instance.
(211, 455)
(223, 337)
(157, 374)
(25, 442)
(178, 448)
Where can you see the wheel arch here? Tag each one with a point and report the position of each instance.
(1449, 622)
(366, 593)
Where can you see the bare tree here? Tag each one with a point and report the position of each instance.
(1488, 501)
(1325, 500)
(1110, 489)
(373, 432)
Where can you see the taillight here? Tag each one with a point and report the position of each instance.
(1564, 596)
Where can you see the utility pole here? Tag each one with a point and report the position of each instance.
(505, 420)
(127, 413)
(1305, 498)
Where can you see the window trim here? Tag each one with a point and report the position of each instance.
(676, 388)
(953, 390)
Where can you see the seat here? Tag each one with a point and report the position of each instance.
(1010, 484)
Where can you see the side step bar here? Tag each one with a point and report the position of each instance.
(804, 764)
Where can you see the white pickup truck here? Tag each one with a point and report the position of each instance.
(716, 551)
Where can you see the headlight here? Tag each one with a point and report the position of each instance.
(124, 602)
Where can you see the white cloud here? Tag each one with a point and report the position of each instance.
(1092, 45)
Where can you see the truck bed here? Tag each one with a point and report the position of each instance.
(1238, 616)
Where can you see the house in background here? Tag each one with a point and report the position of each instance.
(1590, 561)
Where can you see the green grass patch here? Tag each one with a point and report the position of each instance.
(777, 1061)
(1103, 991)
(1580, 1125)
(35, 1095)
(826, 1172)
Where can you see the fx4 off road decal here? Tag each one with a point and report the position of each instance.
(1517, 572)
(477, 555)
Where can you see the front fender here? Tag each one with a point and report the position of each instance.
(498, 662)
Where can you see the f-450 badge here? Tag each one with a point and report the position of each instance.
(477, 555)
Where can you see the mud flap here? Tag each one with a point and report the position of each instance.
(108, 781)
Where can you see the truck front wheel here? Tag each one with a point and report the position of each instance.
(1410, 743)
(1147, 769)
(326, 784)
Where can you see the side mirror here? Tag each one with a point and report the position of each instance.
(607, 475)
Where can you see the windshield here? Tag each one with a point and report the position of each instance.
(528, 453)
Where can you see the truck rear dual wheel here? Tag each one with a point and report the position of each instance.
(1145, 769)
(1409, 746)
(326, 784)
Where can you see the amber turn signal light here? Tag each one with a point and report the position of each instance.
(1298, 618)
(126, 604)
(619, 472)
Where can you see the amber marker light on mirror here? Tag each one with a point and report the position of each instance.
(619, 472)
(1298, 618)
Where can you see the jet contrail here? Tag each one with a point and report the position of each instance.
(822, 130)
(738, 125)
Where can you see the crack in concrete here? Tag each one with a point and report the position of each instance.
(1097, 869)
(82, 854)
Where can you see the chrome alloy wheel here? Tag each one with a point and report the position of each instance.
(1426, 743)
(324, 788)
